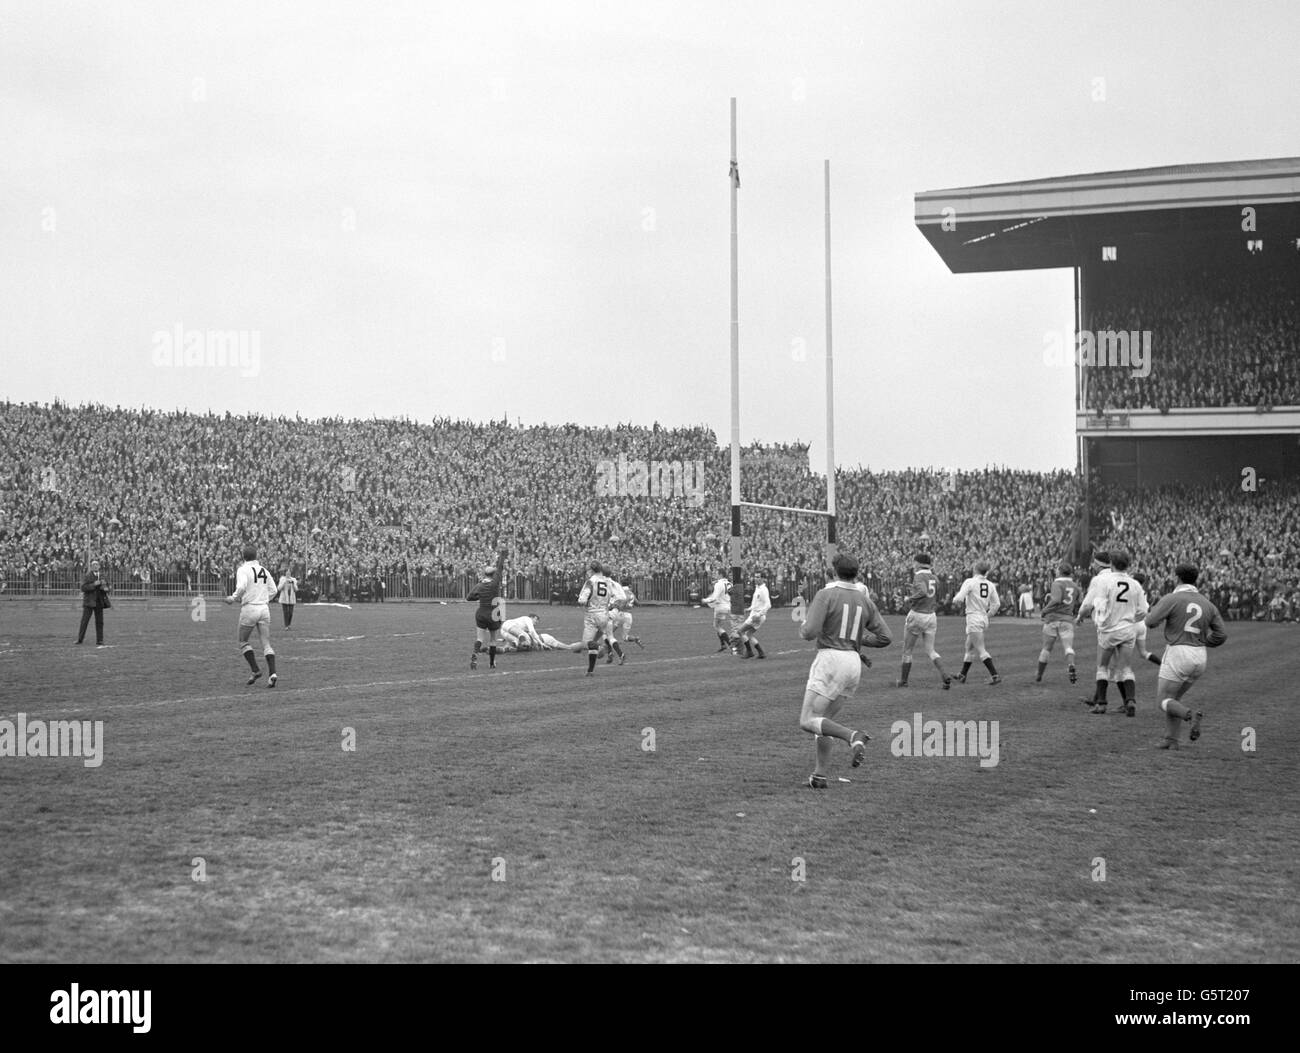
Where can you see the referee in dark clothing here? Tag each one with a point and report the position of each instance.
(94, 600)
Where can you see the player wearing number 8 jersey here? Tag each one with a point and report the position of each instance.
(1192, 623)
(980, 597)
(843, 620)
(921, 623)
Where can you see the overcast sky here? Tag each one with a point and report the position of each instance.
(477, 209)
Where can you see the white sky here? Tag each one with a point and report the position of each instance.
(389, 194)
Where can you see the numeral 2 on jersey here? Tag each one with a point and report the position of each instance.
(1194, 609)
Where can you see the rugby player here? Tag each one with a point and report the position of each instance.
(760, 603)
(1121, 603)
(720, 600)
(1058, 621)
(842, 619)
(487, 617)
(254, 589)
(981, 598)
(1192, 623)
(921, 622)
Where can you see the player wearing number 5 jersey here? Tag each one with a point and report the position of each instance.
(1192, 623)
(255, 588)
(597, 596)
(921, 623)
(843, 620)
(980, 597)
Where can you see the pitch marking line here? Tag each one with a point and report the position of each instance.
(319, 689)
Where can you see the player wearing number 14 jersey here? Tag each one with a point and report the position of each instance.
(921, 623)
(981, 599)
(843, 620)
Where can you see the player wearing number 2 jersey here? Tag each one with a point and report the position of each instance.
(921, 623)
(1192, 623)
(843, 620)
(981, 599)
(1119, 604)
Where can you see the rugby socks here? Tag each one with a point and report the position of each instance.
(724, 640)
(591, 660)
(1128, 690)
(270, 661)
(988, 664)
(906, 669)
(492, 657)
(252, 660)
(965, 668)
(1042, 667)
(758, 647)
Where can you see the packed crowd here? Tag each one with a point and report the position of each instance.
(175, 494)
(1226, 337)
(1247, 544)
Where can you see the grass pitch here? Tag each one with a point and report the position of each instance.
(519, 816)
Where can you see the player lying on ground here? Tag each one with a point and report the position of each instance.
(921, 622)
(760, 603)
(254, 589)
(1120, 603)
(981, 599)
(1192, 623)
(843, 620)
(520, 634)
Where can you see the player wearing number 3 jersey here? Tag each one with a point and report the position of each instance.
(981, 599)
(843, 620)
(1192, 623)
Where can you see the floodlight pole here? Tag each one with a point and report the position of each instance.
(733, 177)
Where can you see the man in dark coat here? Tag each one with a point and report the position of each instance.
(94, 600)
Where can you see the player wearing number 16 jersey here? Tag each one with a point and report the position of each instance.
(1192, 623)
(843, 620)
(921, 623)
(981, 599)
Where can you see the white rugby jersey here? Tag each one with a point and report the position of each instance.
(718, 598)
(1121, 601)
(254, 585)
(980, 594)
(762, 601)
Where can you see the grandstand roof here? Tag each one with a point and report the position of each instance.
(1060, 222)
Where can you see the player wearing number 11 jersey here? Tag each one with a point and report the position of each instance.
(843, 620)
(1192, 623)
